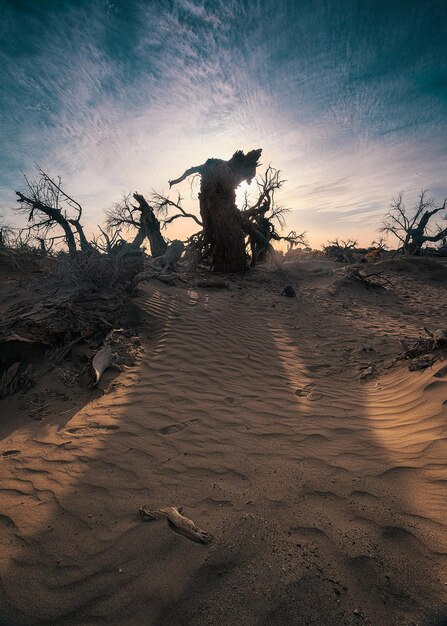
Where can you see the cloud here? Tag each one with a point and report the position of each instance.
(123, 96)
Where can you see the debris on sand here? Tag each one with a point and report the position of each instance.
(46, 330)
(366, 372)
(371, 280)
(60, 318)
(213, 284)
(103, 359)
(15, 378)
(421, 364)
(423, 352)
(176, 522)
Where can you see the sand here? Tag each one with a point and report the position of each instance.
(325, 493)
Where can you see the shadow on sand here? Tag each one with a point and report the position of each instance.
(247, 410)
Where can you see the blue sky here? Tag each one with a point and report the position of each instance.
(347, 97)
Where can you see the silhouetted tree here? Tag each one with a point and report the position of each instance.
(48, 206)
(142, 218)
(258, 220)
(223, 235)
(341, 250)
(412, 228)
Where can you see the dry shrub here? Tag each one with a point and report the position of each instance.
(97, 271)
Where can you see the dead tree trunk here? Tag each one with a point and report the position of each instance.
(222, 222)
(223, 233)
(85, 245)
(54, 215)
(150, 228)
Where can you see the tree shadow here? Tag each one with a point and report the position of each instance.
(247, 410)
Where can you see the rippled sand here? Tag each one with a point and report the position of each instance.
(326, 494)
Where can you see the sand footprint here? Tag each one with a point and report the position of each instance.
(7, 521)
(178, 427)
(442, 373)
(230, 400)
(308, 392)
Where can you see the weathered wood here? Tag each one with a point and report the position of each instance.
(149, 227)
(176, 522)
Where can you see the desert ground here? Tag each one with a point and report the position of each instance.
(324, 489)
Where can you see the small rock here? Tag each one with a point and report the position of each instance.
(289, 291)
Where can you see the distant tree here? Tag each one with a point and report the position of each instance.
(48, 206)
(341, 250)
(412, 228)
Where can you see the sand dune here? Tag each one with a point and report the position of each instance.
(325, 494)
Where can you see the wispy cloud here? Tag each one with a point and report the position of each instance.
(117, 96)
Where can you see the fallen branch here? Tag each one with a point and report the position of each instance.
(367, 279)
(176, 522)
(420, 353)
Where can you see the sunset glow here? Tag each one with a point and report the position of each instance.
(118, 96)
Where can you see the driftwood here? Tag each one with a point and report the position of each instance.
(176, 522)
(169, 260)
(164, 267)
(105, 358)
(102, 360)
(61, 317)
(48, 328)
(366, 372)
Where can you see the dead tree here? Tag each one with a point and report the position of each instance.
(48, 206)
(106, 243)
(259, 219)
(140, 217)
(413, 229)
(223, 236)
(342, 251)
(162, 204)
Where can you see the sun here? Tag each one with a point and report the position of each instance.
(245, 188)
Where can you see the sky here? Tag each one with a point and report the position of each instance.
(348, 98)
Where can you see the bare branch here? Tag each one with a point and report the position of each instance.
(413, 232)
